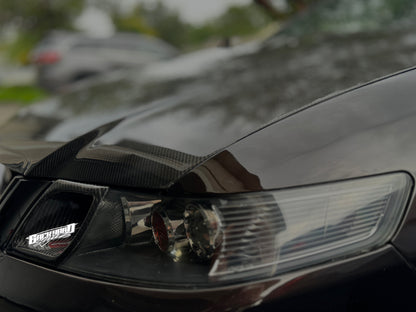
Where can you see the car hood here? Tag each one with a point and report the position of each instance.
(141, 129)
(123, 152)
(137, 131)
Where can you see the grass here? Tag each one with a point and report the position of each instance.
(21, 94)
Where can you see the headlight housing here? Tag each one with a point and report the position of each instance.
(206, 241)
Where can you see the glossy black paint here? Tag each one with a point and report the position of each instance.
(163, 125)
(195, 135)
(321, 143)
(12, 307)
(366, 131)
(361, 117)
(47, 290)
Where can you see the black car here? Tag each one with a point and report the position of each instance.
(219, 190)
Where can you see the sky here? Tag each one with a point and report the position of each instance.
(98, 23)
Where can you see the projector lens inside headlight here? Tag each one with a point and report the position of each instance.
(203, 241)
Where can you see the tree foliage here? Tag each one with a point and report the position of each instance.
(39, 16)
(159, 20)
(33, 19)
(292, 7)
(133, 22)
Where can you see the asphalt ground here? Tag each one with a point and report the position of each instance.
(7, 111)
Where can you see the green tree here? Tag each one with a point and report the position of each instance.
(157, 20)
(163, 22)
(167, 24)
(292, 7)
(240, 21)
(33, 19)
(132, 22)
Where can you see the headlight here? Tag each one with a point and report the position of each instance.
(211, 240)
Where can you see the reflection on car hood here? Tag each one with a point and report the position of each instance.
(111, 155)
(155, 132)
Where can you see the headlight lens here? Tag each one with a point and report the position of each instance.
(207, 241)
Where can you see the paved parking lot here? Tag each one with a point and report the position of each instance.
(7, 111)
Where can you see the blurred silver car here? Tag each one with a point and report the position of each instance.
(63, 58)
